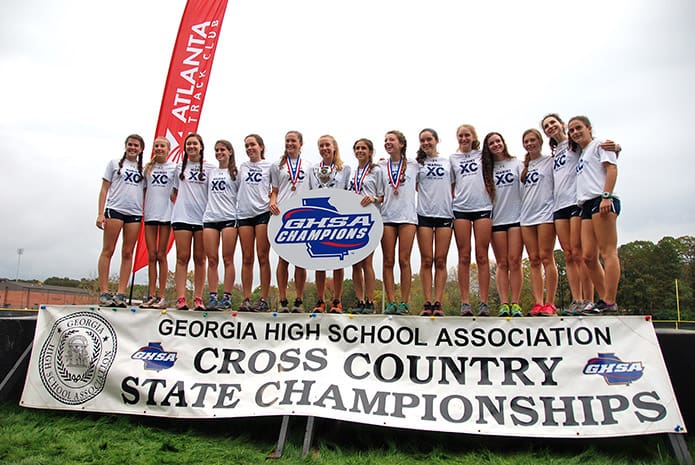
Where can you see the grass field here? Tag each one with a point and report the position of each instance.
(33, 437)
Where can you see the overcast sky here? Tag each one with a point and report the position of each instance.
(78, 76)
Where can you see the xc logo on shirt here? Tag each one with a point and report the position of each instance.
(194, 176)
(532, 178)
(468, 167)
(254, 177)
(504, 179)
(160, 179)
(218, 185)
(132, 177)
(435, 171)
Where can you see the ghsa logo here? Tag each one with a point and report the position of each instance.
(155, 357)
(614, 370)
(325, 231)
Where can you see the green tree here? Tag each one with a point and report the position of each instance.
(65, 282)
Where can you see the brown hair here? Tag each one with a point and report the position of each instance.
(421, 155)
(138, 138)
(201, 175)
(527, 157)
(231, 166)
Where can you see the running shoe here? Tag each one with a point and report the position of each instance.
(358, 309)
(181, 304)
(403, 309)
(284, 306)
(602, 308)
(516, 310)
(586, 305)
(261, 306)
(336, 307)
(245, 305)
(426, 309)
(212, 303)
(535, 309)
(147, 302)
(106, 300)
(574, 309)
(320, 307)
(437, 309)
(298, 306)
(198, 305)
(119, 301)
(504, 310)
(161, 303)
(368, 307)
(391, 309)
(466, 309)
(225, 303)
(484, 310)
(548, 310)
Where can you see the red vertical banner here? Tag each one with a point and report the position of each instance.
(186, 83)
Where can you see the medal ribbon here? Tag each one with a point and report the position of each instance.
(395, 177)
(293, 171)
(359, 180)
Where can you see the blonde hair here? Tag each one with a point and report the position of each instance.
(150, 164)
(285, 155)
(337, 161)
(476, 143)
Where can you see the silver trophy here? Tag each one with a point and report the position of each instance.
(325, 175)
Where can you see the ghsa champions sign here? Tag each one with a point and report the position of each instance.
(325, 229)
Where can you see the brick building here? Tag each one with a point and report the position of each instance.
(30, 295)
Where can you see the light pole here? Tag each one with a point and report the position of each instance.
(19, 257)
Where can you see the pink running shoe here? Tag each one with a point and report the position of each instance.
(181, 304)
(548, 310)
(535, 309)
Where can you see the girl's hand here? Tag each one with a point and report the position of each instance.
(366, 200)
(606, 206)
(611, 146)
(100, 221)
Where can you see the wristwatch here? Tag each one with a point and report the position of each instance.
(607, 195)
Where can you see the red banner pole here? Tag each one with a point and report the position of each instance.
(186, 84)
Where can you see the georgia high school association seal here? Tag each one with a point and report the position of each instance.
(77, 356)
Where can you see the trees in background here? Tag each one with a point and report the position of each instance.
(647, 283)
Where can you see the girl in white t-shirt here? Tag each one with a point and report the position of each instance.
(288, 178)
(120, 209)
(597, 173)
(435, 219)
(537, 227)
(506, 228)
(219, 222)
(329, 172)
(567, 215)
(399, 213)
(253, 213)
(366, 182)
(474, 189)
(191, 188)
(159, 181)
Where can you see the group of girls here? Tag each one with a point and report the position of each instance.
(480, 192)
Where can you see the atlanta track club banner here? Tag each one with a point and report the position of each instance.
(186, 83)
(543, 377)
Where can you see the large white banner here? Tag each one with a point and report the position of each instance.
(544, 377)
